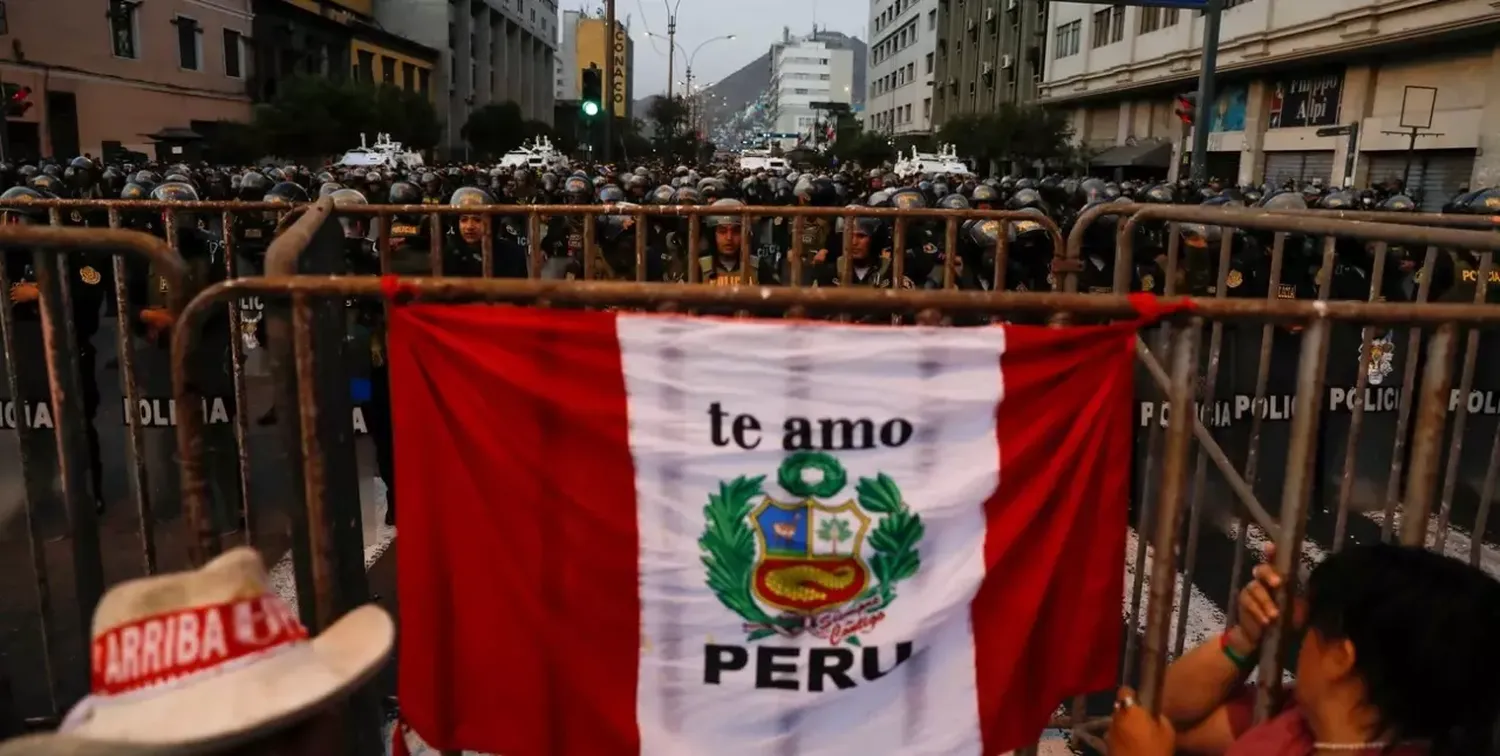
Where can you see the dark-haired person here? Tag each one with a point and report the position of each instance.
(1398, 657)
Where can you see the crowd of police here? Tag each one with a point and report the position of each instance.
(1028, 263)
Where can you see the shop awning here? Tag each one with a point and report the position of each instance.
(1147, 153)
(174, 134)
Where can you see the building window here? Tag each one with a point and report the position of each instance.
(929, 63)
(233, 52)
(927, 109)
(123, 30)
(911, 71)
(189, 52)
(1157, 18)
(408, 76)
(388, 70)
(1109, 26)
(364, 68)
(1066, 41)
(931, 20)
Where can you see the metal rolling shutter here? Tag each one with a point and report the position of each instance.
(1438, 174)
(1279, 167)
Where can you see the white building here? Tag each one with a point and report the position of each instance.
(1289, 68)
(492, 51)
(564, 86)
(903, 44)
(806, 70)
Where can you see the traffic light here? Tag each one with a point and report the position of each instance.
(593, 92)
(1187, 106)
(17, 100)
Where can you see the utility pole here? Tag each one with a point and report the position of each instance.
(671, 50)
(609, 80)
(1202, 121)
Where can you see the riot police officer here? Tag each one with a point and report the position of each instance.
(722, 266)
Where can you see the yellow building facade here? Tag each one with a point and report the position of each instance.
(593, 50)
(381, 62)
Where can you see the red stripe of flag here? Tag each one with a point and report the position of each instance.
(1046, 620)
(518, 556)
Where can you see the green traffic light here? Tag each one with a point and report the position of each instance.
(591, 108)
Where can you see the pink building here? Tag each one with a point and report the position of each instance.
(106, 74)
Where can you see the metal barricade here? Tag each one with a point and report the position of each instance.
(49, 248)
(307, 332)
(1172, 501)
(119, 269)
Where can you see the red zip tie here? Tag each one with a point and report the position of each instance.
(396, 291)
(1152, 308)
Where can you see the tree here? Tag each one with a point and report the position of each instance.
(835, 530)
(495, 128)
(1014, 133)
(867, 148)
(313, 117)
(669, 116)
(233, 143)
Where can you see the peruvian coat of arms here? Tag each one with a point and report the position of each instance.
(823, 563)
(1382, 356)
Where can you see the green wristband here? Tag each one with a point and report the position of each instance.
(1244, 663)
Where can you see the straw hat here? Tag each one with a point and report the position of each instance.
(197, 662)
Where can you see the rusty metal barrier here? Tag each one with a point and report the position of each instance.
(299, 352)
(49, 248)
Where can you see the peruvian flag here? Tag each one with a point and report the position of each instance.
(649, 534)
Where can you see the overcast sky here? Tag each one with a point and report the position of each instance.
(756, 24)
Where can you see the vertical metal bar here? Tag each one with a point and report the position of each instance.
(383, 242)
(1200, 469)
(799, 224)
(1126, 250)
(1357, 415)
(241, 399)
(34, 536)
(135, 441)
(590, 246)
(1002, 254)
(1486, 501)
(846, 264)
(66, 389)
(1404, 405)
(1295, 494)
(695, 230)
(487, 247)
(898, 251)
(745, 239)
(1461, 417)
(641, 225)
(534, 241)
(1169, 510)
(435, 243)
(315, 490)
(950, 253)
(1432, 409)
(1257, 416)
